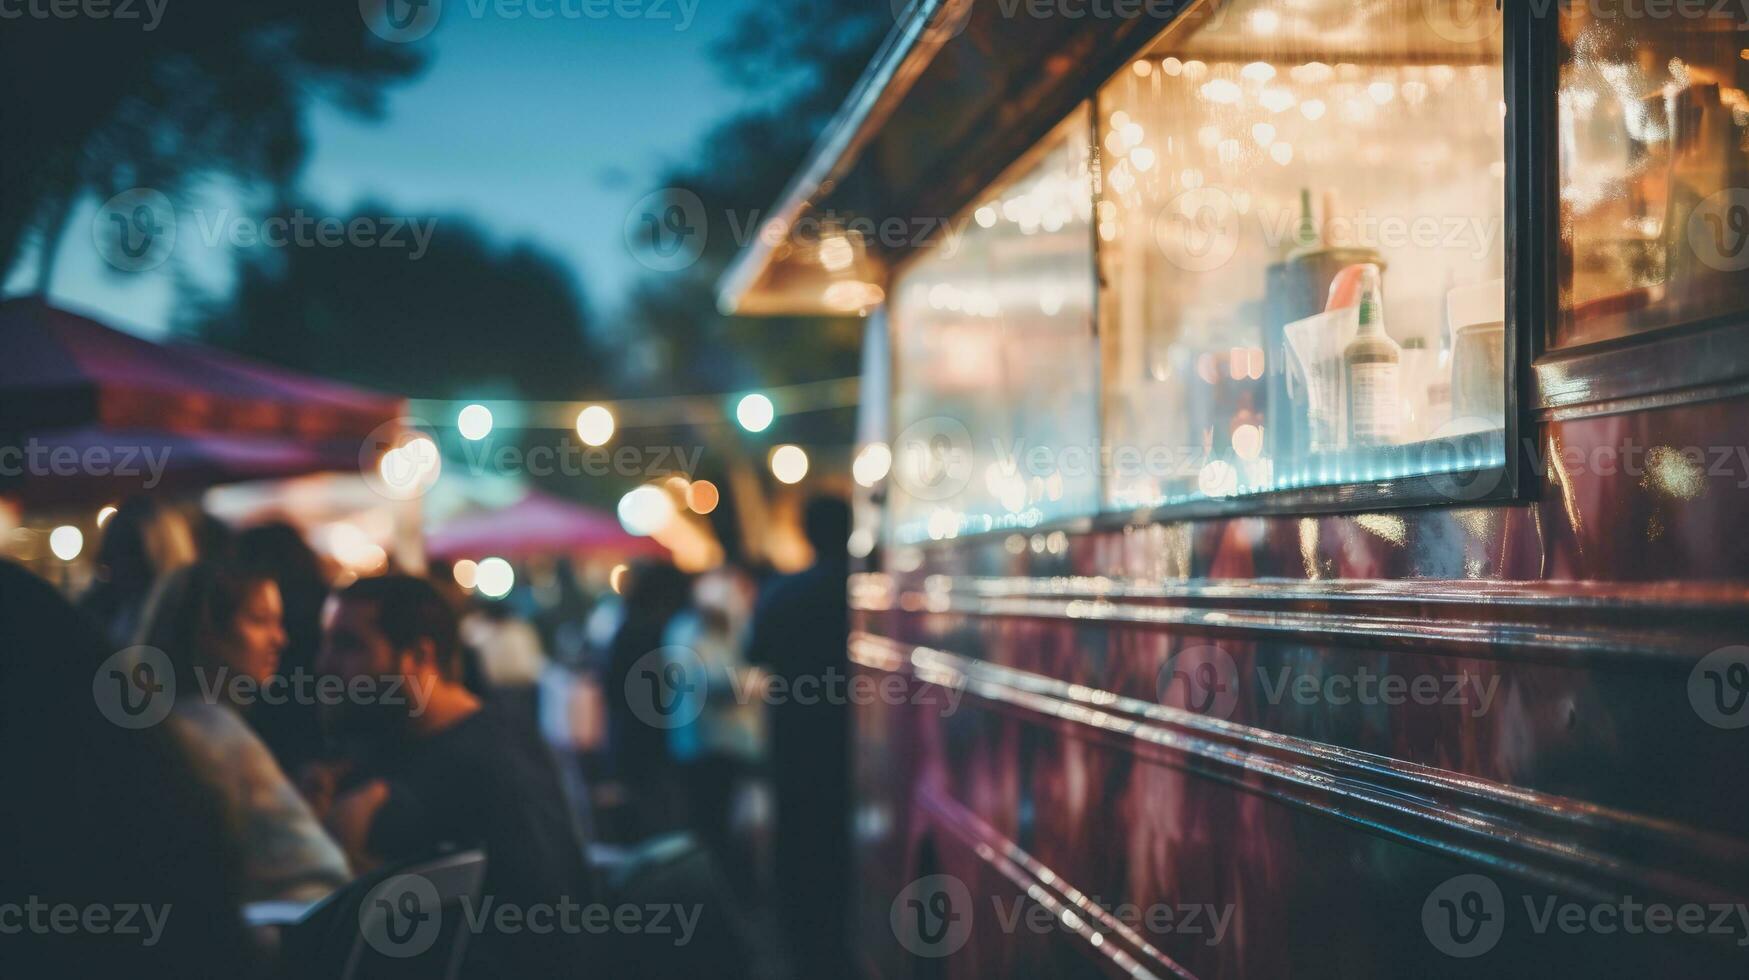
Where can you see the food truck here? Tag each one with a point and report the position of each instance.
(1305, 472)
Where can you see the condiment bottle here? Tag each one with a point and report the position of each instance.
(1372, 371)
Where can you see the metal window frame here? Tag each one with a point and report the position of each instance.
(1531, 69)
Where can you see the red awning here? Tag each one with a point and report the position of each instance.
(78, 398)
(538, 524)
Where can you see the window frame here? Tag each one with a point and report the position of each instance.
(1531, 72)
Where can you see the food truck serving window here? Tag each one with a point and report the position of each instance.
(1301, 227)
(996, 406)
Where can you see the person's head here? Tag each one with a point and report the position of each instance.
(143, 541)
(280, 551)
(656, 589)
(395, 626)
(826, 523)
(214, 616)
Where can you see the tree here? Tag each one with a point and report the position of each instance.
(800, 57)
(153, 94)
(464, 318)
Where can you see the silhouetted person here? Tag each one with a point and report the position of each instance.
(101, 816)
(143, 541)
(654, 593)
(430, 768)
(800, 632)
(213, 539)
(290, 728)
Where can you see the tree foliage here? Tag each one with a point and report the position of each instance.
(175, 91)
(466, 319)
(798, 59)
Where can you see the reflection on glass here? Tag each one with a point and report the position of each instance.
(994, 356)
(1654, 174)
(1301, 225)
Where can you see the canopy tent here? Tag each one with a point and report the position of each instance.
(89, 413)
(537, 524)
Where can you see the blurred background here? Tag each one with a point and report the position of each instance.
(365, 289)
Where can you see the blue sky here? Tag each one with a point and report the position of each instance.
(543, 130)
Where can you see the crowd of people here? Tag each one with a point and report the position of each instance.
(217, 726)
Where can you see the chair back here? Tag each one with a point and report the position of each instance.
(407, 922)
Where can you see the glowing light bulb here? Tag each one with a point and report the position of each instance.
(755, 412)
(872, 464)
(595, 425)
(494, 578)
(645, 510)
(789, 464)
(702, 496)
(66, 542)
(474, 422)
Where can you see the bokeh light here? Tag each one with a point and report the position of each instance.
(494, 578)
(474, 422)
(872, 464)
(645, 510)
(66, 542)
(789, 464)
(411, 467)
(702, 496)
(755, 413)
(595, 425)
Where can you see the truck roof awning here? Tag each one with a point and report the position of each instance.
(956, 93)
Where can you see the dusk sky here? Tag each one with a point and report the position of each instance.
(544, 130)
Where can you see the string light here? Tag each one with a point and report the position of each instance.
(789, 464)
(872, 464)
(755, 412)
(702, 496)
(595, 425)
(474, 422)
(495, 578)
(645, 510)
(66, 542)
